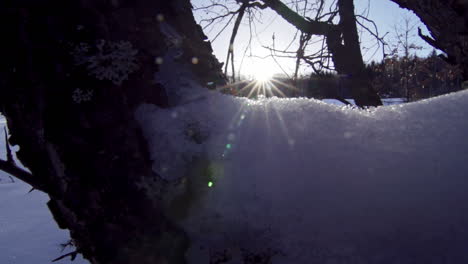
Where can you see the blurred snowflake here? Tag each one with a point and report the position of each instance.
(79, 96)
(109, 60)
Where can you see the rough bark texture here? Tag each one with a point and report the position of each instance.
(90, 156)
(447, 21)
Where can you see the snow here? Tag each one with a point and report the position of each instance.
(305, 181)
(300, 180)
(385, 101)
(28, 233)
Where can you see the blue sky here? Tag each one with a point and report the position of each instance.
(251, 61)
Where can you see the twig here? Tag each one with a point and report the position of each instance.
(22, 175)
(230, 54)
(8, 150)
(71, 254)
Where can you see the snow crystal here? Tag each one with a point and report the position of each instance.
(80, 95)
(112, 61)
(322, 183)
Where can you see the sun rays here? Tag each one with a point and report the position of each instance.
(257, 91)
(262, 86)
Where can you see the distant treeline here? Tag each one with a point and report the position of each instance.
(415, 78)
(412, 78)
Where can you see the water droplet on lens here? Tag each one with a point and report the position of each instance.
(160, 17)
(158, 60)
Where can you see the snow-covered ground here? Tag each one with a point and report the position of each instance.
(385, 101)
(309, 182)
(300, 180)
(28, 233)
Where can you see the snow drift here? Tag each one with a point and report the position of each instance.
(302, 181)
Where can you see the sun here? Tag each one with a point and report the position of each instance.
(262, 75)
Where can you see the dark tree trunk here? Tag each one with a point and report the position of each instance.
(447, 22)
(347, 57)
(343, 44)
(88, 152)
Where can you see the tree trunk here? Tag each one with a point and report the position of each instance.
(347, 57)
(75, 123)
(447, 22)
(343, 44)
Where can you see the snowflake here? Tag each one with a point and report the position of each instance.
(112, 61)
(80, 53)
(80, 96)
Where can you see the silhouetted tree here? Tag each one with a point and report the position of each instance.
(342, 52)
(72, 74)
(447, 22)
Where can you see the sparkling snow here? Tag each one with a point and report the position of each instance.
(300, 180)
(309, 182)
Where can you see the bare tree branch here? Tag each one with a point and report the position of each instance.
(8, 150)
(375, 32)
(309, 27)
(230, 53)
(22, 175)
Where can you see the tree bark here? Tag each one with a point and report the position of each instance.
(447, 22)
(89, 154)
(348, 56)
